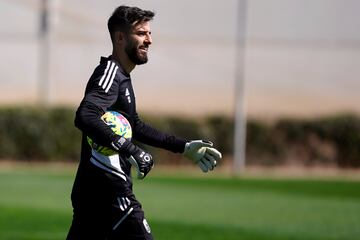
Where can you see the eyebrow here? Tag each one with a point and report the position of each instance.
(141, 31)
(139, 28)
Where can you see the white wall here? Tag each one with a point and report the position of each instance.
(302, 56)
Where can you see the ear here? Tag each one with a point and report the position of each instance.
(119, 37)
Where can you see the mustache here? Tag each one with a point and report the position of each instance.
(145, 45)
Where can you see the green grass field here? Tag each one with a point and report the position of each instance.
(35, 204)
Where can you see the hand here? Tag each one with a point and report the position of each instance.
(143, 163)
(140, 159)
(202, 153)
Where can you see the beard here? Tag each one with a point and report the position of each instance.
(134, 55)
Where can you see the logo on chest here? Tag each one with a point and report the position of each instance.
(127, 95)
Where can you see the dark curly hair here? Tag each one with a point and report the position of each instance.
(124, 17)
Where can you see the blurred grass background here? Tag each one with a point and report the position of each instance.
(181, 204)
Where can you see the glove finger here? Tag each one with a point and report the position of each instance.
(214, 153)
(207, 163)
(133, 162)
(211, 159)
(202, 166)
(201, 143)
(209, 143)
(140, 175)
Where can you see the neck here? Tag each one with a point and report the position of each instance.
(122, 58)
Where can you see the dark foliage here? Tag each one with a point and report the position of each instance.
(29, 133)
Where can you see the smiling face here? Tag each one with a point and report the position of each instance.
(138, 41)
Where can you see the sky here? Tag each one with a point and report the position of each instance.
(301, 57)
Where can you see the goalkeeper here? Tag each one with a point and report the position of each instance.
(104, 206)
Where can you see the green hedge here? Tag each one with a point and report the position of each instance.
(37, 134)
(31, 133)
(331, 141)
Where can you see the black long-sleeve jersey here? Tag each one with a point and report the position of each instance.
(110, 88)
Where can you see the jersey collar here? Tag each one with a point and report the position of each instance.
(104, 59)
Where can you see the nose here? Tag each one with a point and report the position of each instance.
(148, 39)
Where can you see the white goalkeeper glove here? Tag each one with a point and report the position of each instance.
(202, 153)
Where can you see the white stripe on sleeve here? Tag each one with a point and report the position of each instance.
(111, 80)
(105, 72)
(108, 76)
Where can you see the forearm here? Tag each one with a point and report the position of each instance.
(153, 137)
(88, 120)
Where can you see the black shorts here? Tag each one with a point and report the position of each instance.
(128, 225)
(105, 208)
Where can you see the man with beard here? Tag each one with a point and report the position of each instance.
(103, 202)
